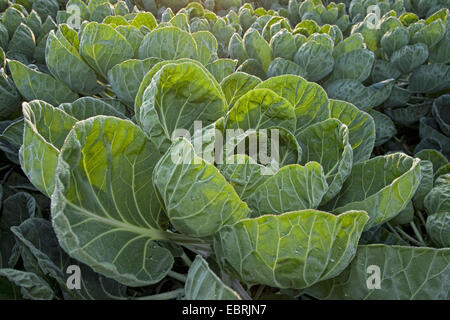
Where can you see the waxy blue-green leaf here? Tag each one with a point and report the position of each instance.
(11, 19)
(280, 66)
(327, 143)
(253, 67)
(283, 45)
(292, 188)
(438, 200)
(438, 228)
(385, 127)
(236, 85)
(356, 93)
(243, 173)
(203, 284)
(408, 58)
(197, 198)
(87, 107)
(156, 44)
(28, 284)
(430, 78)
(292, 250)
(133, 35)
(22, 41)
(351, 43)
(426, 184)
(65, 63)
(360, 125)
(46, 128)
(394, 39)
(126, 77)
(104, 198)
(406, 273)
(261, 109)
(102, 47)
(356, 64)
(9, 97)
(206, 46)
(257, 48)
(430, 34)
(383, 70)
(308, 99)
(441, 112)
(236, 49)
(316, 59)
(181, 94)
(34, 85)
(221, 68)
(381, 186)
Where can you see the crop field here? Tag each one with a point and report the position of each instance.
(224, 149)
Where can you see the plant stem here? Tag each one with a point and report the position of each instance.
(240, 290)
(164, 296)
(421, 218)
(177, 276)
(417, 233)
(259, 292)
(409, 238)
(186, 259)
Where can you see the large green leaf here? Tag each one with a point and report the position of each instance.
(327, 143)
(37, 85)
(356, 64)
(87, 107)
(438, 200)
(360, 125)
(292, 188)
(29, 284)
(66, 64)
(104, 198)
(206, 46)
(126, 77)
(203, 284)
(292, 250)
(261, 109)
(406, 273)
(308, 99)
(181, 94)
(438, 227)
(236, 85)
(381, 186)
(46, 128)
(257, 48)
(103, 47)
(156, 44)
(197, 198)
(316, 59)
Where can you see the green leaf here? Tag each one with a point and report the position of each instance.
(430, 78)
(316, 59)
(408, 58)
(221, 68)
(354, 92)
(203, 284)
(133, 35)
(385, 127)
(181, 94)
(292, 188)
(236, 49)
(438, 228)
(206, 46)
(441, 113)
(197, 198)
(381, 186)
(253, 67)
(281, 66)
(46, 128)
(430, 34)
(236, 85)
(257, 48)
(30, 285)
(356, 64)
(308, 99)
(283, 45)
(394, 39)
(103, 198)
(102, 47)
(261, 109)
(87, 107)
(144, 19)
(292, 250)
(22, 41)
(438, 200)
(407, 273)
(360, 125)
(327, 142)
(126, 77)
(9, 97)
(37, 85)
(155, 44)
(426, 184)
(65, 63)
